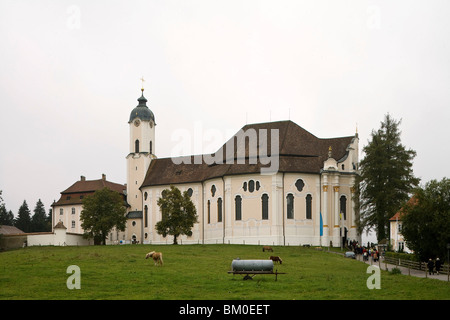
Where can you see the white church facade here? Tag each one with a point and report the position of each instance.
(299, 193)
(271, 183)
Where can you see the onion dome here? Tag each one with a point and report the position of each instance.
(142, 111)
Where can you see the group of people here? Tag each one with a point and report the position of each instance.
(434, 264)
(366, 252)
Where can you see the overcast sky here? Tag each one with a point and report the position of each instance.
(70, 70)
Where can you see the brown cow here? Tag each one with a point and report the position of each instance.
(157, 257)
(267, 248)
(276, 259)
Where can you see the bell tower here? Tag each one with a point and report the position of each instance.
(141, 151)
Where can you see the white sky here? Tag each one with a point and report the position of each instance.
(69, 78)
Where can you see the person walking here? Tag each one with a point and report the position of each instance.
(430, 265)
(438, 265)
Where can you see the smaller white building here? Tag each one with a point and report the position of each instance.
(67, 210)
(398, 243)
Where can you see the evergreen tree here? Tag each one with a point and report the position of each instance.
(6, 217)
(386, 178)
(38, 221)
(48, 219)
(23, 220)
(178, 213)
(101, 212)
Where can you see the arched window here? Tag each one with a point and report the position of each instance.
(290, 206)
(251, 186)
(265, 206)
(219, 210)
(308, 206)
(145, 216)
(136, 146)
(151, 147)
(209, 211)
(238, 208)
(343, 207)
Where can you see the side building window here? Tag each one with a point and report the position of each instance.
(265, 206)
(290, 206)
(308, 206)
(238, 208)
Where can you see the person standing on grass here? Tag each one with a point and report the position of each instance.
(438, 265)
(430, 265)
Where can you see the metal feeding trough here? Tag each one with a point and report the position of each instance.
(252, 265)
(250, 268)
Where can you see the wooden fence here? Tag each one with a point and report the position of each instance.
(421, 266)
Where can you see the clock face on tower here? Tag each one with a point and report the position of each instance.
(137, 123)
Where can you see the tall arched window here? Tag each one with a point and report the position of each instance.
(136, 146)
(151, 147)
(308, 206)
(290, 206)
(219, 210)
(209, 212)
(343, 207)
(238, 208)
(265, 206)
(145, 216)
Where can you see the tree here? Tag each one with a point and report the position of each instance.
(6, 217)
(101, 212)
(23, 220)
(48, 219)
(426, 220)
(386, 178)
(178, 214)
(38, 220)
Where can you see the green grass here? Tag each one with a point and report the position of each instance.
(198, 272)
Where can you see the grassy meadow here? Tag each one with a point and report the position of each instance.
(192, 272)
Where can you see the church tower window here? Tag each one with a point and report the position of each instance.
(136, 146)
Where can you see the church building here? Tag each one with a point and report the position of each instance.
(271, 183)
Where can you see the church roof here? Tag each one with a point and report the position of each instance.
(299, 151)
(142, 111)
(76, 192)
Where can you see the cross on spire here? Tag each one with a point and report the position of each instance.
(142, 79)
